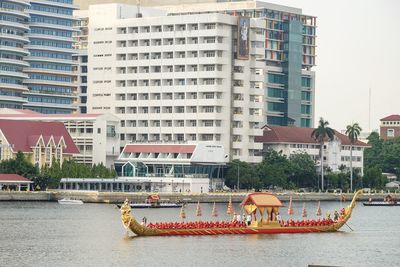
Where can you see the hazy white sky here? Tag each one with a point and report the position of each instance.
(358, 47)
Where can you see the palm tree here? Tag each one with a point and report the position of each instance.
(352, 131)
(321, 133)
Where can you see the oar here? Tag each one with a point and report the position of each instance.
(348, 226)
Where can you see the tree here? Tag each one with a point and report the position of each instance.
(321, 133)
(18, 165)
(274, 170)
(50, 176)
(383, 154)
(246, 173)
(302, 168)
(373, 178)
(352, 132)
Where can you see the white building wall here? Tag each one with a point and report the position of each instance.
(335, 153)
(163, 91)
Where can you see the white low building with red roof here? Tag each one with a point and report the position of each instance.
(41, 142)
(14, 182)
(95, 135)
(292, 140)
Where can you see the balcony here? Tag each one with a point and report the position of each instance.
(48, 82)
(13, 99)
(15, 37)
(15, 74)
(49, 59)
(15, 87)
(50, 71)
(13, 24)
(15, 62)
(50, 14)
(51, 48)
(13, 49)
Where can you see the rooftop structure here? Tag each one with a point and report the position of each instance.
(292, 140)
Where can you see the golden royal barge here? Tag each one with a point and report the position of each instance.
(265, 205)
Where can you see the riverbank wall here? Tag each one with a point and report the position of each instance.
(140, 197)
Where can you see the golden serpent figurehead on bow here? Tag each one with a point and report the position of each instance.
(263, 209)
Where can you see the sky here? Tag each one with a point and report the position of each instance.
(358, 49)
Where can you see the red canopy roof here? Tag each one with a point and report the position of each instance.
(22, 134)
(262, 199)
(13, 177)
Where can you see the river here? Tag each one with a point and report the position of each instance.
(49, 234)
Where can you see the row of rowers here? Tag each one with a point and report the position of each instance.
(234, 224)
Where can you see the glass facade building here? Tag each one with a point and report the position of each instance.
(50, 75)
(14, 19)
(290, 55)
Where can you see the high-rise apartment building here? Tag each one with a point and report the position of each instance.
(196, 78)
(289, 56)
(290, 41)
(50, 83)
(14, 19)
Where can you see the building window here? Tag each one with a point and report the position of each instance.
(390, 132)
(48, 155)
(37, 154)
(111, 131)
(58, 154)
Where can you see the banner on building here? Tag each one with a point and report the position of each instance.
(243, 38)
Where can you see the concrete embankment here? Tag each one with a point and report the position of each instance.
(119, 197)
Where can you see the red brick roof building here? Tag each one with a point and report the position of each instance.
(390, 127)
(292, 140)
(41, 142)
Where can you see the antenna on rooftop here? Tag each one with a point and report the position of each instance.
(138, 15)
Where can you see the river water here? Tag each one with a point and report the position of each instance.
(49, 234)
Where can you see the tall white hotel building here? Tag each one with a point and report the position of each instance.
(178, 77)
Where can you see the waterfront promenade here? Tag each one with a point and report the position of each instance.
(119, 197)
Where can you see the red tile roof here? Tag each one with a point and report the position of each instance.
(13, 177)
(393, 117)
(133, 148)
(22, 134)
(285, 134)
